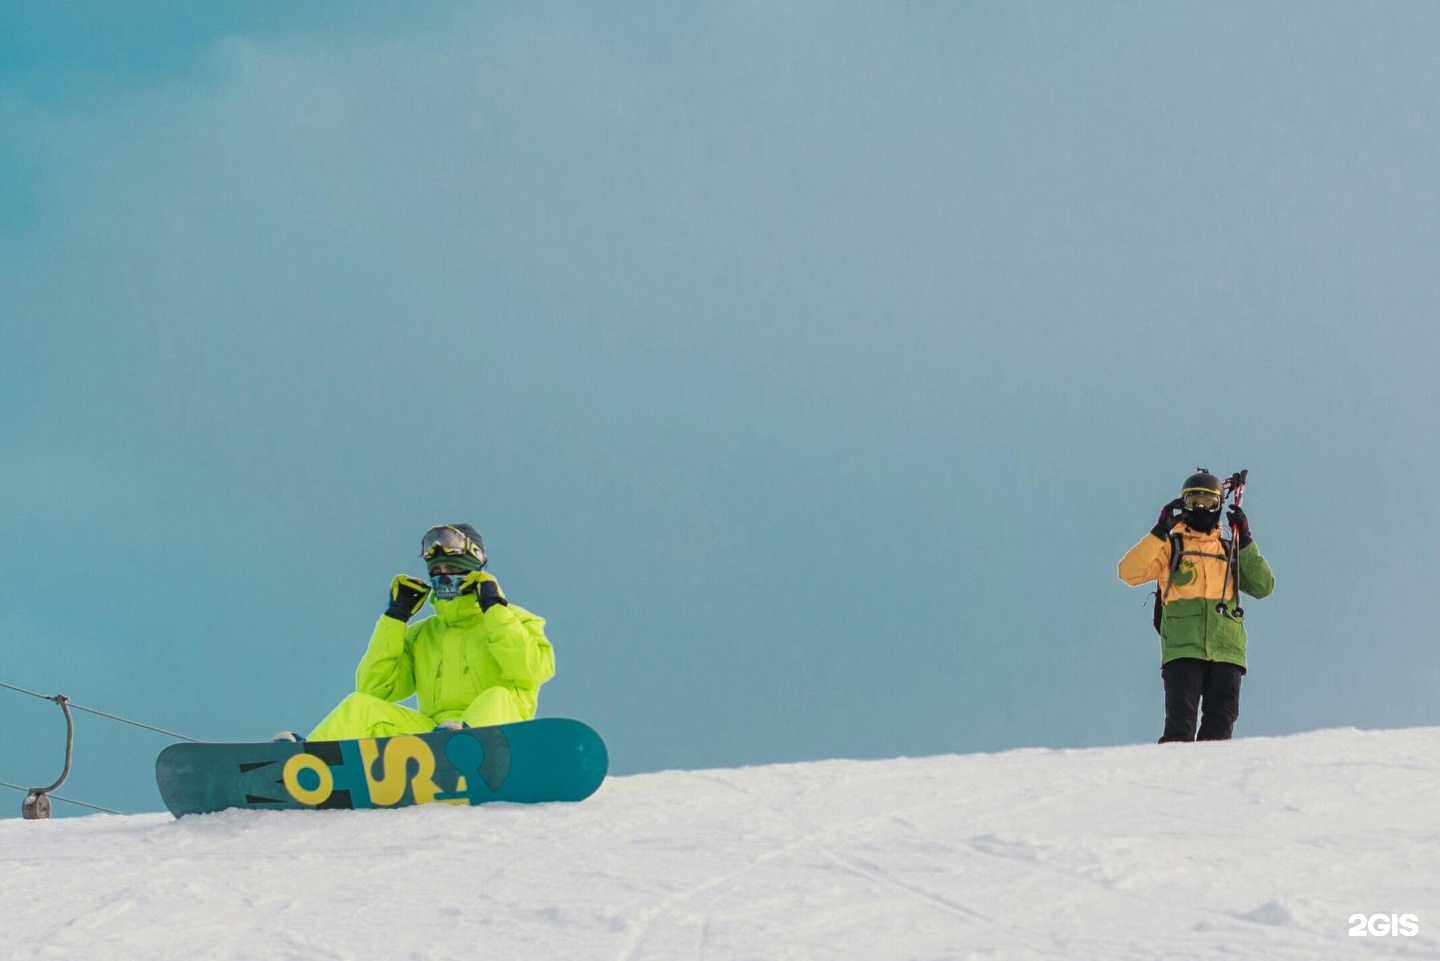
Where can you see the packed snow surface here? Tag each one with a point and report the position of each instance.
(1261, 848)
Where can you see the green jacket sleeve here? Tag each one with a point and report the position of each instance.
(519, 646)
(388, 668)
(1255, 577)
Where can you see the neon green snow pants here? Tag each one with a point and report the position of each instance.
(365, 715)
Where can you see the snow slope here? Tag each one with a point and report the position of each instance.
(1257, 848)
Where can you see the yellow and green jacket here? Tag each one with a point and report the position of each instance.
(1190, 626)
(448, 659)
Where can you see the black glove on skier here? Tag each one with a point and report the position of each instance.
(1240, 525)
(1169, 517)
(407, 596)
(486, 588)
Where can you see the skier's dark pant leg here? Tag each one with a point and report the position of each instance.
(1187, 681)
(1222, 702)
(1184, 683)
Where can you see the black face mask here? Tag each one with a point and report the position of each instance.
(1202, 522)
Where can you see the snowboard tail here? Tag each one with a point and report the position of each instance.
(548, 759)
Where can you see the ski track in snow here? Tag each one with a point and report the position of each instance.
(1254, 849)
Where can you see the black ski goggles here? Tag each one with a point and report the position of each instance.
(446, 541)
(1198, 500)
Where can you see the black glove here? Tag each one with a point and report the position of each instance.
(1169, 517)
(407, 596)
(1240, 526)
(486, 588)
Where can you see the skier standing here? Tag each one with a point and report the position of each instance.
(479, 661)
(1198, 576)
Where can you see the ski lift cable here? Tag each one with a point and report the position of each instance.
(88, 710)
(37, 799)
(67, 800)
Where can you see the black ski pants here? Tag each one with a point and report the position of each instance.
(1188, 682)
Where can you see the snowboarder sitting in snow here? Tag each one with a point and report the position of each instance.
(479, 661)
(1198, 577)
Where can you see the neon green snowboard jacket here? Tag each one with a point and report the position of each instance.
(448, 659)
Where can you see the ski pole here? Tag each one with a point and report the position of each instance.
(1236, 483)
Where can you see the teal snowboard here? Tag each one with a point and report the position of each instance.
(549, 759)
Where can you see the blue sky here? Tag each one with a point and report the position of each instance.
(808, 366)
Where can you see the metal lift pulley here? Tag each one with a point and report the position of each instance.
(36, 806)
